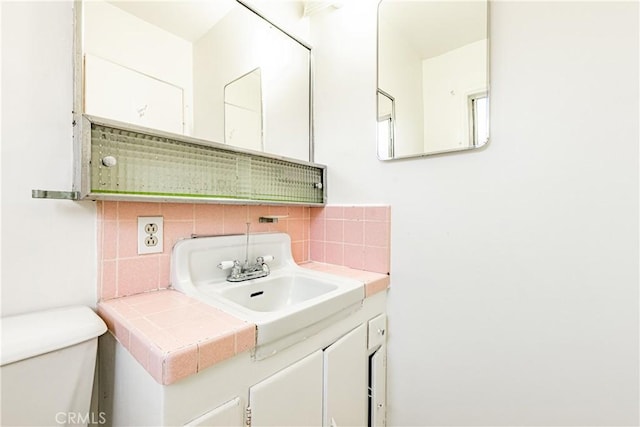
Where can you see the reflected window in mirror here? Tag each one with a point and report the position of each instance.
(433, 58)
(479, 108)
(386, 125)
(166, 65)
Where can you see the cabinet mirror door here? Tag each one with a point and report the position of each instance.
(197, 68)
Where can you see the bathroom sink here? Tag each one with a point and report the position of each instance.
(289, 305)
(276, 293)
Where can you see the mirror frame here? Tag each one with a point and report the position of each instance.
(78, 81)
(378, 90)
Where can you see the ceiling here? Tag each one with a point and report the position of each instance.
(432, 27)
(187, 19)
(191, 19)
(436, 27)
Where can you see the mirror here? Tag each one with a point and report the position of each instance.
(213, 70)
(243, 111)
(433, 79)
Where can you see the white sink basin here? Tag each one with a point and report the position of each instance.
(288, 305)
(276, 293)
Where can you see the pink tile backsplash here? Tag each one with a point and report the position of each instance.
(352, 236)
(123, 272)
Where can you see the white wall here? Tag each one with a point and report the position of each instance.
(48, 247)
(514, 296)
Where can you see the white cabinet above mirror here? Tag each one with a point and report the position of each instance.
(433, 79)
(164, 65)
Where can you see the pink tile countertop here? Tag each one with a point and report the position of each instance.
(373, 282)
(173, 336)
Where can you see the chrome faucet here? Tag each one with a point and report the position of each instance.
(247, 271)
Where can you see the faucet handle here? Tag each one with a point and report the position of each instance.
(227, 264)
(264, 258)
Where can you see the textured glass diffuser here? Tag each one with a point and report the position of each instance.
(131, 162)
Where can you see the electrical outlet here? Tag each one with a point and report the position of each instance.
(150, 230)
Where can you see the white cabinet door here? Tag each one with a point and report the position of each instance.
(378, 378)
(345, 382)
(228, 414)
(291, 397)
(378, 370)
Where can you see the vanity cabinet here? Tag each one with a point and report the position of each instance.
(328, 387)
(335, 377)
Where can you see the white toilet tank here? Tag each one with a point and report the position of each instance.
(47, 367)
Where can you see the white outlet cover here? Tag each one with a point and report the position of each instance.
(142, 235)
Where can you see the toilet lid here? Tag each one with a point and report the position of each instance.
(33, 334)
